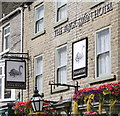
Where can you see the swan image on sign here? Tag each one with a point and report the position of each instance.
(14, 72)
(79, 55)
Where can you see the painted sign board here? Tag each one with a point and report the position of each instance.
(79, 58)
(15, 74)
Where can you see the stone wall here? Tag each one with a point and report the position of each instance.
(15, 31)
(47, 43)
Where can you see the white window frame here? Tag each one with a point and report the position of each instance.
(57, 10)
(4, 36)
(3, 85)
(57, 63)
(96, 63)
(41, 74)
(98, 1)
(42, 18)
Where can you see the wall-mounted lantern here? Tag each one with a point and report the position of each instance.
(37, 101)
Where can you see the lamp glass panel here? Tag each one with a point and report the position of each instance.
(41, 105)
(33, 106)
(37, 104)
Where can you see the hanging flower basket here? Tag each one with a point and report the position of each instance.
(23, 108)
(108, 93)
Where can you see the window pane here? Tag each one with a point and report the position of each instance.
(62, 57)
(0, 70)
(39, 26)
(6, 42)
(39, 71)
(103, 64)
(7, 30)
(62, 62)
(39, 83)
(39, 12)
(62, 13)
(0, 88)
(103, 54)
(39, 65)
(7, 93)
(6, 37)
(62, 77)
(103, 41)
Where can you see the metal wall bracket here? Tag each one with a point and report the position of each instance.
(11, 55)
(59, 84)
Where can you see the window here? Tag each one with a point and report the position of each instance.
(61, 10)
(103, 57)
(39, 73)
(62, 65)
(5, 93)
(39, 19)
(6, 36)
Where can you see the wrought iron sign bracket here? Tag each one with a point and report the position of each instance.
(20, 56)
(59, 84)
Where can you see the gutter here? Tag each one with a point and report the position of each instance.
(11, 13)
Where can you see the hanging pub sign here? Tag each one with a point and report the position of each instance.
(79, 58)
(15, 74)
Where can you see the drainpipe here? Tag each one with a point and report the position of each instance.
(21, 30)
(22, 40)
(21, 50)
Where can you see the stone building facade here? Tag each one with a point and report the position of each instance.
(49, 34)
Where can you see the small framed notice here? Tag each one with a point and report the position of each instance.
(15, 74)
(79, 58)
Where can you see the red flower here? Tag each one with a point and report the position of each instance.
(118, 83)
(15, 107)
(21, 104)
(45, 103)
(110, 88)
(113, 92)
(52, 111)
(28, 102)
(46, 108)
(115, 88)
(118, 91)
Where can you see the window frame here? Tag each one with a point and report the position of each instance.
(98, 1)
(57, 62)
(35, 75)
(4, 36)
(57, 20)
(96, 55)
(36, 20)
(2, 77)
